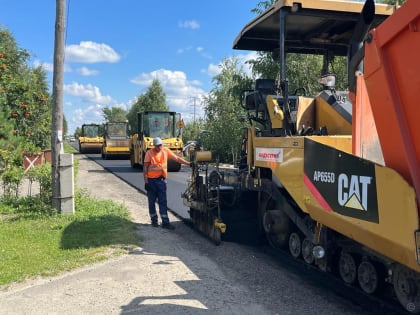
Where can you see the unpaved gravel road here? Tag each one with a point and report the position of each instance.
(172, 272)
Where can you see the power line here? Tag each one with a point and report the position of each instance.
(195, 98)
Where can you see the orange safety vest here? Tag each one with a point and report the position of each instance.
(158, 163)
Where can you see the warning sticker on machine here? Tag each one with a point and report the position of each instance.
(269, 154)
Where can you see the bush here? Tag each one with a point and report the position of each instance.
(12, 178)
(40, 203)
(42, 174)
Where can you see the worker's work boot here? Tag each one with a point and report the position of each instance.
(168, 226)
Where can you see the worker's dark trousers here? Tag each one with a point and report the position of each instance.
(157, 190)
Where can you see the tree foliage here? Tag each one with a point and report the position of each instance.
(302, 71)
(393, 2)
(222, 109)
(262, 6)
(153, 99)
(223, 102)
(192, 130)
(24, 98)
(78, 131)
(114, 114)
(65, 125)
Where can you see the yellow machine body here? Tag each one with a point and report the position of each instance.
(162, 124)
(90, 141)
(116, 141)
(339, 171)
(393, 233)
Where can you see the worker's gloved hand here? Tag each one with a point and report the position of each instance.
(191, 164)
(146, 186)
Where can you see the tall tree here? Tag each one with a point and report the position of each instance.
(24, 99)
(114, 114)
(222, 109)
(153, 99)
(192, 130)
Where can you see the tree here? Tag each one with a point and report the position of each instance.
(222, 109)
(192, 130)
(78, 132)
(393, 2)
(114, 114)
(153, 99)
(262, 6)
(65, 125)
(302, 71)
(24, 99)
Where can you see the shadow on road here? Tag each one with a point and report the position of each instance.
(97, 231)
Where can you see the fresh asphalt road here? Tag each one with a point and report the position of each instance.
(177, 181)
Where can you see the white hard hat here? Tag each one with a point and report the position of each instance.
(157, 141)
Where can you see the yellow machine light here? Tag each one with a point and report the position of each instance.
(203, 156)
(220, 225)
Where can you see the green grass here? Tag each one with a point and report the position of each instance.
(68, 148)
(38, 244)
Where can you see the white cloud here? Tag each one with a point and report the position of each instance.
(88, 114)
(125, 106)
(87, 105)
(88, 93)
(181, 93)
(191, 24)
(94, 113)
(87, 72)
(80, 116)
(213, 69)
(91, 52)
(244, 58)
(200, 50)
(48, 67)
(182, 50)
(77, 118)
(203, 53)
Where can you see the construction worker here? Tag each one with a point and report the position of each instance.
(155, 170)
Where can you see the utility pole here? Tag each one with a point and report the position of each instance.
(195, 98)
(57, 103)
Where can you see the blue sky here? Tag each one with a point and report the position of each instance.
(114, 49)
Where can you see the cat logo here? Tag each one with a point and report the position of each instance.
(336, 187)
(353, 191)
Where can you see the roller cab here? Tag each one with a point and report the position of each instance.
(116, 140)
(91, 140)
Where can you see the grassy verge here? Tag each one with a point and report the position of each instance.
(35, 244)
